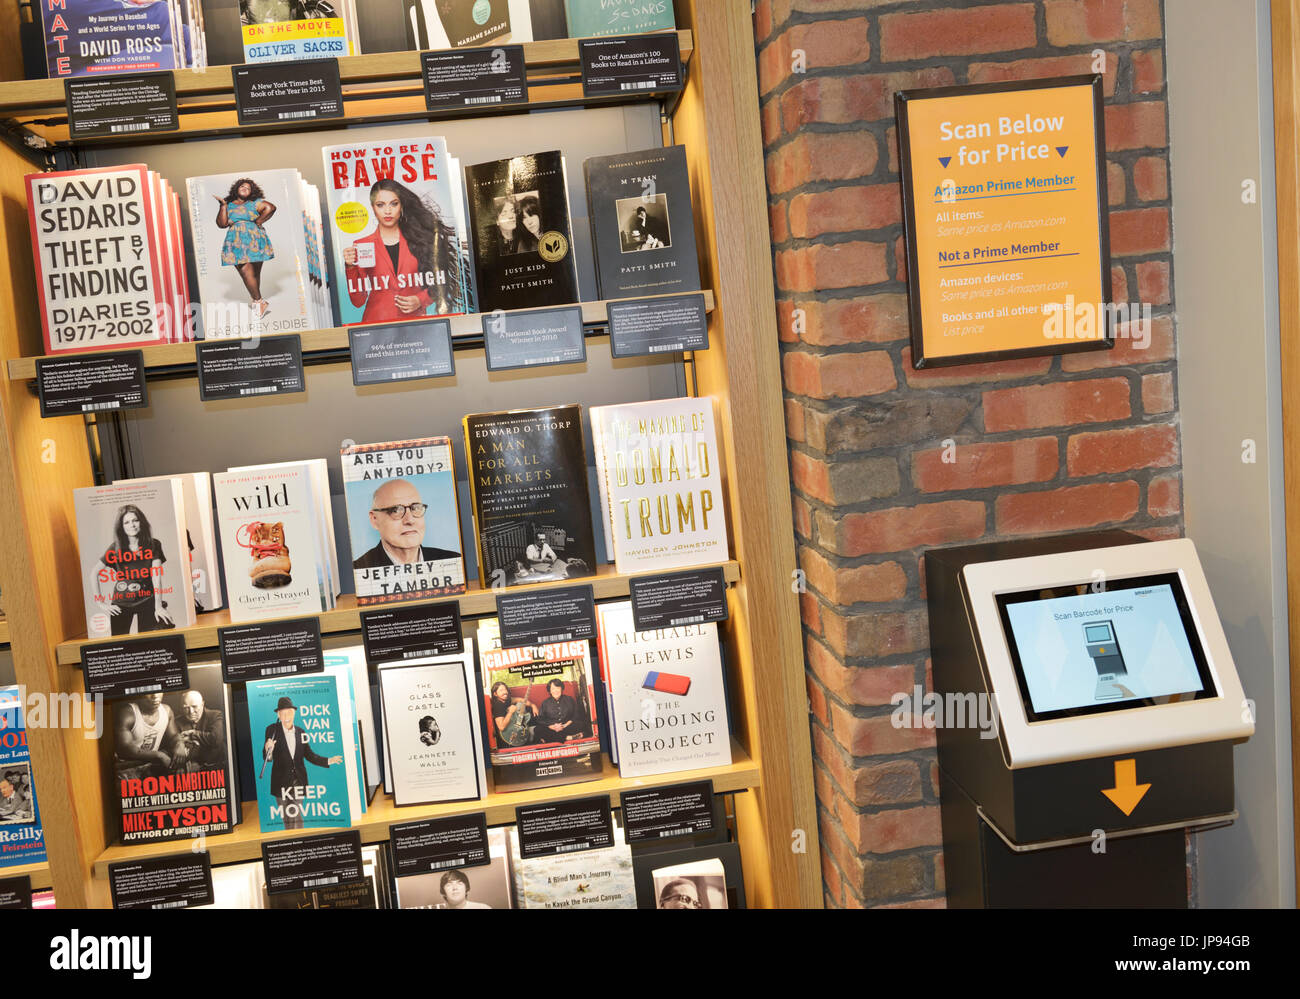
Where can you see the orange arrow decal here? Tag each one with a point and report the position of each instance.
(1127, 792)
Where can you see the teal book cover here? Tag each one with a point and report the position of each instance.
(22, 841)
(299, 753)
(595, 18)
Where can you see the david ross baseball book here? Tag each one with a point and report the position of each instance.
(403, 520)
(642, 226)
(172, 761)
(519, 223)
(22, 841)
(300, 744)
(95, 37)
(528, 480)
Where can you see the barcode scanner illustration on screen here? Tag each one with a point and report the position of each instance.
(1103, 648)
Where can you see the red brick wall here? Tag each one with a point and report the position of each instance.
(1042, 445)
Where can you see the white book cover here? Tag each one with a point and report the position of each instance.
(134, 562)
(701, 884)
(670, 703)
(352, 762)
(354, 657)
(250, 250)
(587, 879)
(430, 729)
(196, 491)
(661, 477)
(269, 520)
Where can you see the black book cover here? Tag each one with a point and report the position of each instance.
(519, 223)
(528, 478)
(642, 226)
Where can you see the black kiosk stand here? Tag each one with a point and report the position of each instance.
(1114, 708)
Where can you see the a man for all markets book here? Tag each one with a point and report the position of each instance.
(22, 840)
(252, 252)
(277, 539)
(300, 745)
(110, 268)
(540, 711)
(404, 520)
(97, 37)
(668, 703)
(393, 219)
(173, 765)
(196, 491)
(135, 564)
(660, 483)
(593, 18)
(523, 240)
(528, 481)
(281, 30)
(642, 226)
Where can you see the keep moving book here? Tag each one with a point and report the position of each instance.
(135, 562)
(488, 886)
(523, 240)
(528, 482)
(301, 744)
(22, 840)
(173, 764)
(393, 219)
(642, 226)
(660, 483)
(282, 30)
(593, 18)
(277, 539)
(540, 708)
(667, 699)
(403, 520)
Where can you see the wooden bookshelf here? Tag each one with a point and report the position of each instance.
(181, 356)
(245, 842)
(606, 584)
(39, 873)
(4, 630)
(716, 118)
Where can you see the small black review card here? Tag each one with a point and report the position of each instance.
(658, 325)
(463, 79)
(285, 92)
(392, 634)
(239, 369)
(123, 105)
(540, 617)
(179, 882)
(673, 599)
(534, 338)
(309, 862)
(617, 67)
(565, 826)
(439, 844)
(270, 648)
(91, 383)
(663, 812)
(398, 352)
(136, 666)
(16, 893)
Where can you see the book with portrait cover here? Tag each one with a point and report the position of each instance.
(585, 879)
(432, 743)
(594, 18)
(100, 254)
(96, 37)
(403, 520)
(250, 246)
(642, 226)
(660, 483)
(274, 541)
(173, 766)
(300, 745)
(196, 492)
(135, 565)
(22, 840)
(666, 692)
(540, 711)
(528, 483)
(523, 240)
(392, 218)
(280, 30)
(488, 886)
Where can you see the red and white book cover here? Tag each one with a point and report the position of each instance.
(95, 245)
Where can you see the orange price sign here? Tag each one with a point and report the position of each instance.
(1004, 198)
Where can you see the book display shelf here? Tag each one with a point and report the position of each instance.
(715, 117)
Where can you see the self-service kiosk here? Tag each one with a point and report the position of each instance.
(1115, 705)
